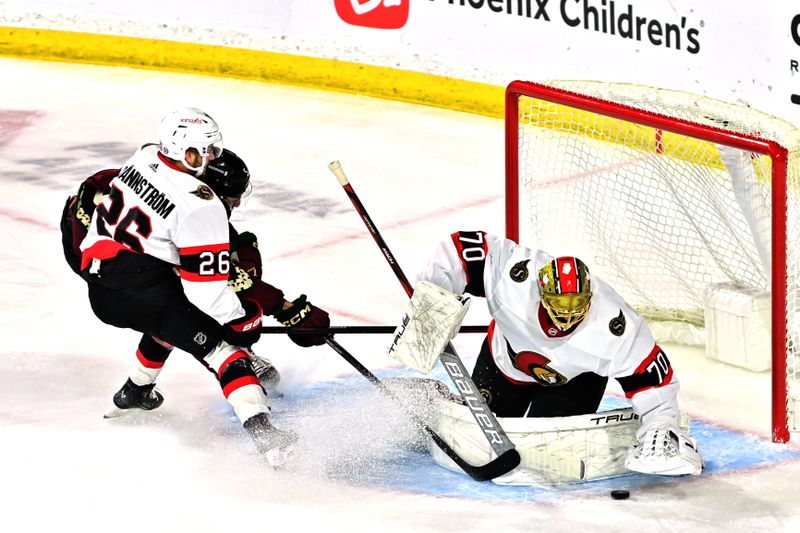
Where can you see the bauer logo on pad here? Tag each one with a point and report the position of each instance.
(382, 14)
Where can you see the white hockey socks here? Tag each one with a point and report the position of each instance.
(246, 397)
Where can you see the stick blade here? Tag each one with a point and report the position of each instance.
(502, 464)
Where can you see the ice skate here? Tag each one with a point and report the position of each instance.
(267, 374)
(275, 445)
(135, 397)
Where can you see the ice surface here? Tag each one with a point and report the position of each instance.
(422, 173)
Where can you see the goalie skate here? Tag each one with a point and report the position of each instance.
(132, 398)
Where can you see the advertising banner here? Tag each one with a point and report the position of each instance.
(744, 50)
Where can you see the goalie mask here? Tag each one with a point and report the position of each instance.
(189, 128)
(565, 290)
(228, 176)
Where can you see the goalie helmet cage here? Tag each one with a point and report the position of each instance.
(667, 193)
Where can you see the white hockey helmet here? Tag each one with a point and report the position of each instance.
(189, 127)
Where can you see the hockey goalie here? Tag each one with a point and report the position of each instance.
(557, 335)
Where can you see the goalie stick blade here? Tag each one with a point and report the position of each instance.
(496, 468)
(503, 464)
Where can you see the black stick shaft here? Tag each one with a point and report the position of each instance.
(337, 330)
(336, 168)
(373, 230)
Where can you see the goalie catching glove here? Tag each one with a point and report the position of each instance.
(661, 448)
(301, 314)
(433, 318)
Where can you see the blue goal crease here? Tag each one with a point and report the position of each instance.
(724, 451)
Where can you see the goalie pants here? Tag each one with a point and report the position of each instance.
(579, 396)
(140, 292)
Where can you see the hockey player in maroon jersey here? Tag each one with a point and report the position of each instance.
(229, 178)
(160, 219)
(556, 337)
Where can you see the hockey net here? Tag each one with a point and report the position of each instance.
(666, 194)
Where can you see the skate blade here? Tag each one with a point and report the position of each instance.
(116, 412)
(281, 458)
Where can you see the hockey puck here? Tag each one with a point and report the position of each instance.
(620, 494)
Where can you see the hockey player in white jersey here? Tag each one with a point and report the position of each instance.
(229, 178)
(157, 260)
(556, 337)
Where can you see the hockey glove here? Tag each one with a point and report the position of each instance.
(302, 314)
(244, 331)
(268, 297)
(661, 448)
(246, 255)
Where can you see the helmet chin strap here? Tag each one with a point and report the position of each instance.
(198, 171)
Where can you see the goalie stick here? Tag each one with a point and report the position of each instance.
(501, 445)
(495, 468)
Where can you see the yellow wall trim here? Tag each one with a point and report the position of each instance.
(381, 82)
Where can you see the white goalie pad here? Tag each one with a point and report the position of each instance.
(553, 450)
(432, 319)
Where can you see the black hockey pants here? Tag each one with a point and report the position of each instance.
(142, 293)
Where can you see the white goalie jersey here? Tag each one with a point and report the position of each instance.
(156, 209)
(612, 340)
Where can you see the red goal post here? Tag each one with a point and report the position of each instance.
(648, 183)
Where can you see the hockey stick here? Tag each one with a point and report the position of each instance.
(501, 445)
(503, 464)
(336, 330)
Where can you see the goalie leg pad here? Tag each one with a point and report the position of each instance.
(553, 450)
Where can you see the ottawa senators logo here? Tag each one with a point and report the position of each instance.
(519, 272)
(203, 191)
(617, 324)
(535, 365)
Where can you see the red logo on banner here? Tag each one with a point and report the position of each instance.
(383, 14)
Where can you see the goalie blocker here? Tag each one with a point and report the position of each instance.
(433, 318)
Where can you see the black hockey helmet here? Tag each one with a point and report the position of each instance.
(227, 175)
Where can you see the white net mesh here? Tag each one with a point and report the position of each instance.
(661, 216)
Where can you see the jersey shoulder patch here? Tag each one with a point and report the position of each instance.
(203, 192)
(519, 272)
(617, 324)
